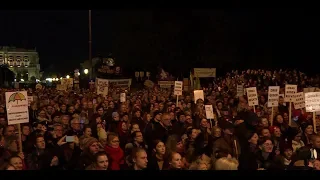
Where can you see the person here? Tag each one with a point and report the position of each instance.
(139, 159)
(225, 163)
(101, 162)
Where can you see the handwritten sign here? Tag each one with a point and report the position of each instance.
(290, 91)
(312, 100)
(178, 88)
(299, 102)
(209, 111)
(273, 96)
(240, 90)
(122, 97)
(252, 96)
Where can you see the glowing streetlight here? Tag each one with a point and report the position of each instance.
(86, 71)
(67, 76)
(78, 73)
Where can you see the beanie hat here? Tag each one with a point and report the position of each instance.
(87, 142)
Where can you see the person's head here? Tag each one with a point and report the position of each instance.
(137, 136)
(113, 140)
(159, 147)
(264, 122)
(99, 110)
(166, 120)
(216, 131)
(101, 161)
(266, 145)
(192, 133)
(316, 141)
(16, 162)
(90, 145)
(115, 116)
(111, 104)
(87, 132)
(287, 152)
(225, 163)
(265, 133)
(40, 142)
(174, 144)
(9, 130)
(204, 123)
(135, 127)
(157, 115)
(139, 158)
(279, 119)
(137, 114)
(11, 143)
(175, 160)
(275, 131)
(63, 107)
(71, 109)
(25, 129)
(253, 138)
(181, 117)
(75, 124)
(307, 129)
(65, 119)
(58, 130)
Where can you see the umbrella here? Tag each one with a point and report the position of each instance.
(16, 97)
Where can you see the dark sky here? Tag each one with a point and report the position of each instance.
(189, 38)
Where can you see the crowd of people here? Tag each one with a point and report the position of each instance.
(80, 130)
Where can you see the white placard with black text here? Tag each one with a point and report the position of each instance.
(290, 91)
(273, 96)
(252, 96)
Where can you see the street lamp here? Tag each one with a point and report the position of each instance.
(67, 76)
(86, 71)
(78, 73)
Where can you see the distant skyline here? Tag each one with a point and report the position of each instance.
(238, 36)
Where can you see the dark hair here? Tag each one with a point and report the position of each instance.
(263, 140)
(98, 154)
(260, 132)
(134, 134)
(36, 137)
(155, 143)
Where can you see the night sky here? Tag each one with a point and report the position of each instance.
(181, 39)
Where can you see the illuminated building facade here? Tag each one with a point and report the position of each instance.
(23, 62)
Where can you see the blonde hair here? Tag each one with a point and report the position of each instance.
(102, 134)
(225, 163)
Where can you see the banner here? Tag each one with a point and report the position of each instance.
(119, 83)
(17, 107)
(204, 72)
(165, 84)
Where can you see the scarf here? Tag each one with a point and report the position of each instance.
(116, 156)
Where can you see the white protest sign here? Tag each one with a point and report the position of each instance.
(17, 107)
(198, 94)
(252, 96)
(240, 90)
(102, 86)
(30, 99)
(122, 97)
(290, 91)
(299, 102)
(273, 96)
(312, 100)
(209, 111)
(178, 88)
